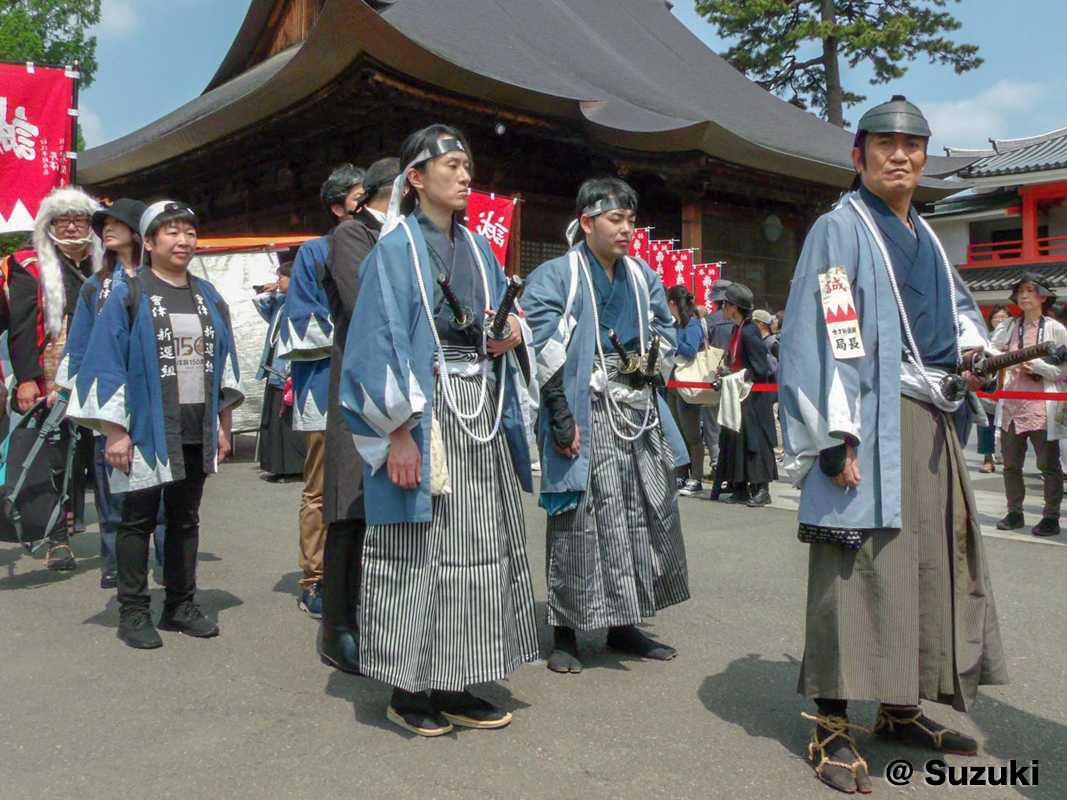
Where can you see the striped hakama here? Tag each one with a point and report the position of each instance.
(619, 556)
(910, 614)
(449, 603)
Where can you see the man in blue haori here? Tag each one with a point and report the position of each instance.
(874, 405)
(307, 342)
(609, 446)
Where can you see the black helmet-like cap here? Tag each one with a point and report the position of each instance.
(896, 116)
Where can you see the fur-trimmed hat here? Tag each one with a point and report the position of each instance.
(64, 200)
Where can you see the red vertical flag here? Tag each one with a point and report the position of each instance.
(680, 272)
(491, 215)
(703, 277)
(658, 251)
(639, 244)
(35, 126)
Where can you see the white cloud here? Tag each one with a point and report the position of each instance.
(1001, 111)
(92, 126)
(118, 18)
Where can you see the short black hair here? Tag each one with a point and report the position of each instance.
(286, 268)
(380, 176)
(419, 141)
(337, 186)
(595, 189)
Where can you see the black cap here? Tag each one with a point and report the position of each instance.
(739, 295)
(896, 116)
(126, 210)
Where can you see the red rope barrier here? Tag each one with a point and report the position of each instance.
(1001, 395)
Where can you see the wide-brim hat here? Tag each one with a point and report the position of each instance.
(1039, 282)
(126, 210)
(718, 290)
(739, 295)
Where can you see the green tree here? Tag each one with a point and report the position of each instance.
(50, 32)
(773, 39)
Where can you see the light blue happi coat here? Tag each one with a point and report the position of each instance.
(120, 383)
(90, 303)
(388, 375)
(822, 398)
(307, 335)
(556, 304)
(271, 306)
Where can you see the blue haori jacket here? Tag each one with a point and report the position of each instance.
(556, 304)
(307, 335)
(121, 384)
(271, 306)
(94, 294)
(823, 398)
(388, 375)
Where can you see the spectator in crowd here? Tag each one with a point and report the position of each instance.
(307, 341)
(987, 434)
(161, 384)
(718, 328)
(687, 417)
(117, 227)
(746, 455)
(43, 289)
(1033, 421)
(766, 329)
(281, 449)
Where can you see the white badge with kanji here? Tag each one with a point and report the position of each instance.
(842, 323)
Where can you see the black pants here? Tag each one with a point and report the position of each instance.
(1013, 447)
(82, 473)
(140, 509)
(342, 565)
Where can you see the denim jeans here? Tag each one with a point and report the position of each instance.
(109, 512)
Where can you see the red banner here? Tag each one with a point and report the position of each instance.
(703, 277)
(679, 270)
(35, 127)
(657, 257)
(491, 215)
(639, 244)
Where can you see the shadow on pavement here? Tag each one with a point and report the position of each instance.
(211, 601)
(289, 583)
(1011, 733)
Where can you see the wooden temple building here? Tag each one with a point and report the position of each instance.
(549, 92)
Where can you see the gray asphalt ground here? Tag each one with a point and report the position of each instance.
(253, 714)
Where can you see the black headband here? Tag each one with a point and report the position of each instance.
(605, 204)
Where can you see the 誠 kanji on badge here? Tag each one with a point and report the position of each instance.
(842, 323)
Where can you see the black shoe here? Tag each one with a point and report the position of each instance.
(135, 628)
(1012, 522)
(109, 579)
(186, 618)
(739, 497)
(60, 558)
(909, 725)
(468, 711)
(1048, 526)
(416, 713)
(340, 649)
(761, 498)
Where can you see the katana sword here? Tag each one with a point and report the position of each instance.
(650, 369)
(500, 328)
(983, 366)
(628, 362)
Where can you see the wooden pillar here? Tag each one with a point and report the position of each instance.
(1029, 217)
(693, 229)
(513, 258)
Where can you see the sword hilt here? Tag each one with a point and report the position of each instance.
(628, 362)
(500, 327)
(650, 367)
(462, 317)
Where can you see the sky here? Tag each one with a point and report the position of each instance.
(157, 55)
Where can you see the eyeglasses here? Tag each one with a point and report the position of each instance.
(79, 223)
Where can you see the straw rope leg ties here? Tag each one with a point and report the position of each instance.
(909, 725)
(833, 751)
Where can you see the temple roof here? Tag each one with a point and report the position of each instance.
(1042, 153)
(626, 72)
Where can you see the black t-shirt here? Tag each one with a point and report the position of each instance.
(188, 357)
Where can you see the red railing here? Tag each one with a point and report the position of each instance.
(1049, 248)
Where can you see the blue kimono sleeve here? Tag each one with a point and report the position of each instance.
(544, 304)
(77, 341)
(308, 331)
(379, 390)
(691, 339)
(231, 392)
(819, 395)
(266, 303)
(99, 387)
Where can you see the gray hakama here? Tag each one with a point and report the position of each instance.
(619, 556)
(449, 603)
(910, 614)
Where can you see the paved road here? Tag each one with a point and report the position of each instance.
(253, 714)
